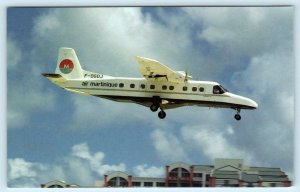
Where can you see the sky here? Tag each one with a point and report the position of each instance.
(53, 134)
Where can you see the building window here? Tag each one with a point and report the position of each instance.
(164, 87)
(121, 84)
(132, 85)
(184, 88)
(226, 183)
(136, 184)
(55, 186)
(117, 182)
(184, 185)
(194, 89)
(152, 86)
(185, 173)
(272, 184)
(250, 185)
(171, 87)
(143, 86)
(201, 89)
(171, 184)
(174, 173)
(197, 174)
(123, 182)
(160, 184)
(148, 184)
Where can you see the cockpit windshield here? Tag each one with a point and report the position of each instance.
(225, 90)
(218, 89)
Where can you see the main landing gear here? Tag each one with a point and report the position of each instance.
(237, 116)
(156, 103)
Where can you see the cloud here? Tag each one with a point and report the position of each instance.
(82, 151)
(145, 170)
(20, 168)
(165, 143)
(234, 28)
(80, 167)
(214, 143)
(14, 54)
(26, 94)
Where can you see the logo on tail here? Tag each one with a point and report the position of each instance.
(66, 66)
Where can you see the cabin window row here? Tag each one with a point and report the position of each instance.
(164, 87)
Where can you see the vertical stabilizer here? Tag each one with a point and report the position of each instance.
(68, 64)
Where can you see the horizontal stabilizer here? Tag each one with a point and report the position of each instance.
(51, 75)
(55, 78)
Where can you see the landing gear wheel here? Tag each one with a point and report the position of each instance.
(154, 107)
(162, 114)
(237, 117)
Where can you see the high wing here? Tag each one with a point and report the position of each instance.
(152, 69)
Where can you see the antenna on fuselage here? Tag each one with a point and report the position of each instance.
(187, 77)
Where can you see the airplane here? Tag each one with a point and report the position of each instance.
(160, 88)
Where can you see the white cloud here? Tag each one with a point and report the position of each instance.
(80, 167)
(14, 54)
(168, 146)
(24, 101)
(22, 173)
(20, 168)
(47, 23)
(26, 93)
(245, 30)
(145, 170)
(95, 161)
(213, 143)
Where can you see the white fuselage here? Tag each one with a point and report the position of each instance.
(141, 91)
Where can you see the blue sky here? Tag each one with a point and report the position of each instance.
(51, 132)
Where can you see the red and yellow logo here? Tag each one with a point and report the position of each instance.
(66, 66)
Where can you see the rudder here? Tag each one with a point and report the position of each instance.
(68, 64)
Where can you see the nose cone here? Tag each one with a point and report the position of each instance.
(244, 101)
(248, 103)
(252, 104)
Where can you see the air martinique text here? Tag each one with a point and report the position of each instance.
(99, 84)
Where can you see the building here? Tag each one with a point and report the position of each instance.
(224, 173)
(58, 184)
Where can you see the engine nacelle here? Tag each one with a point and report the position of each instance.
(179, 77)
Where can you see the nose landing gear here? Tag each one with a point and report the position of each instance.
(237, 116)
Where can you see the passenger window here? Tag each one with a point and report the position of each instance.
(184, 88)
(121, 84)
(132, 85)
(143, 86)
(201, 89)
(152, 86)
(194, 89)
(171, 87)
(164, 87)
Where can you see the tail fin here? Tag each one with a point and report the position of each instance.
(68, 65)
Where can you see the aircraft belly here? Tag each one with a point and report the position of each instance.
(145, 98)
